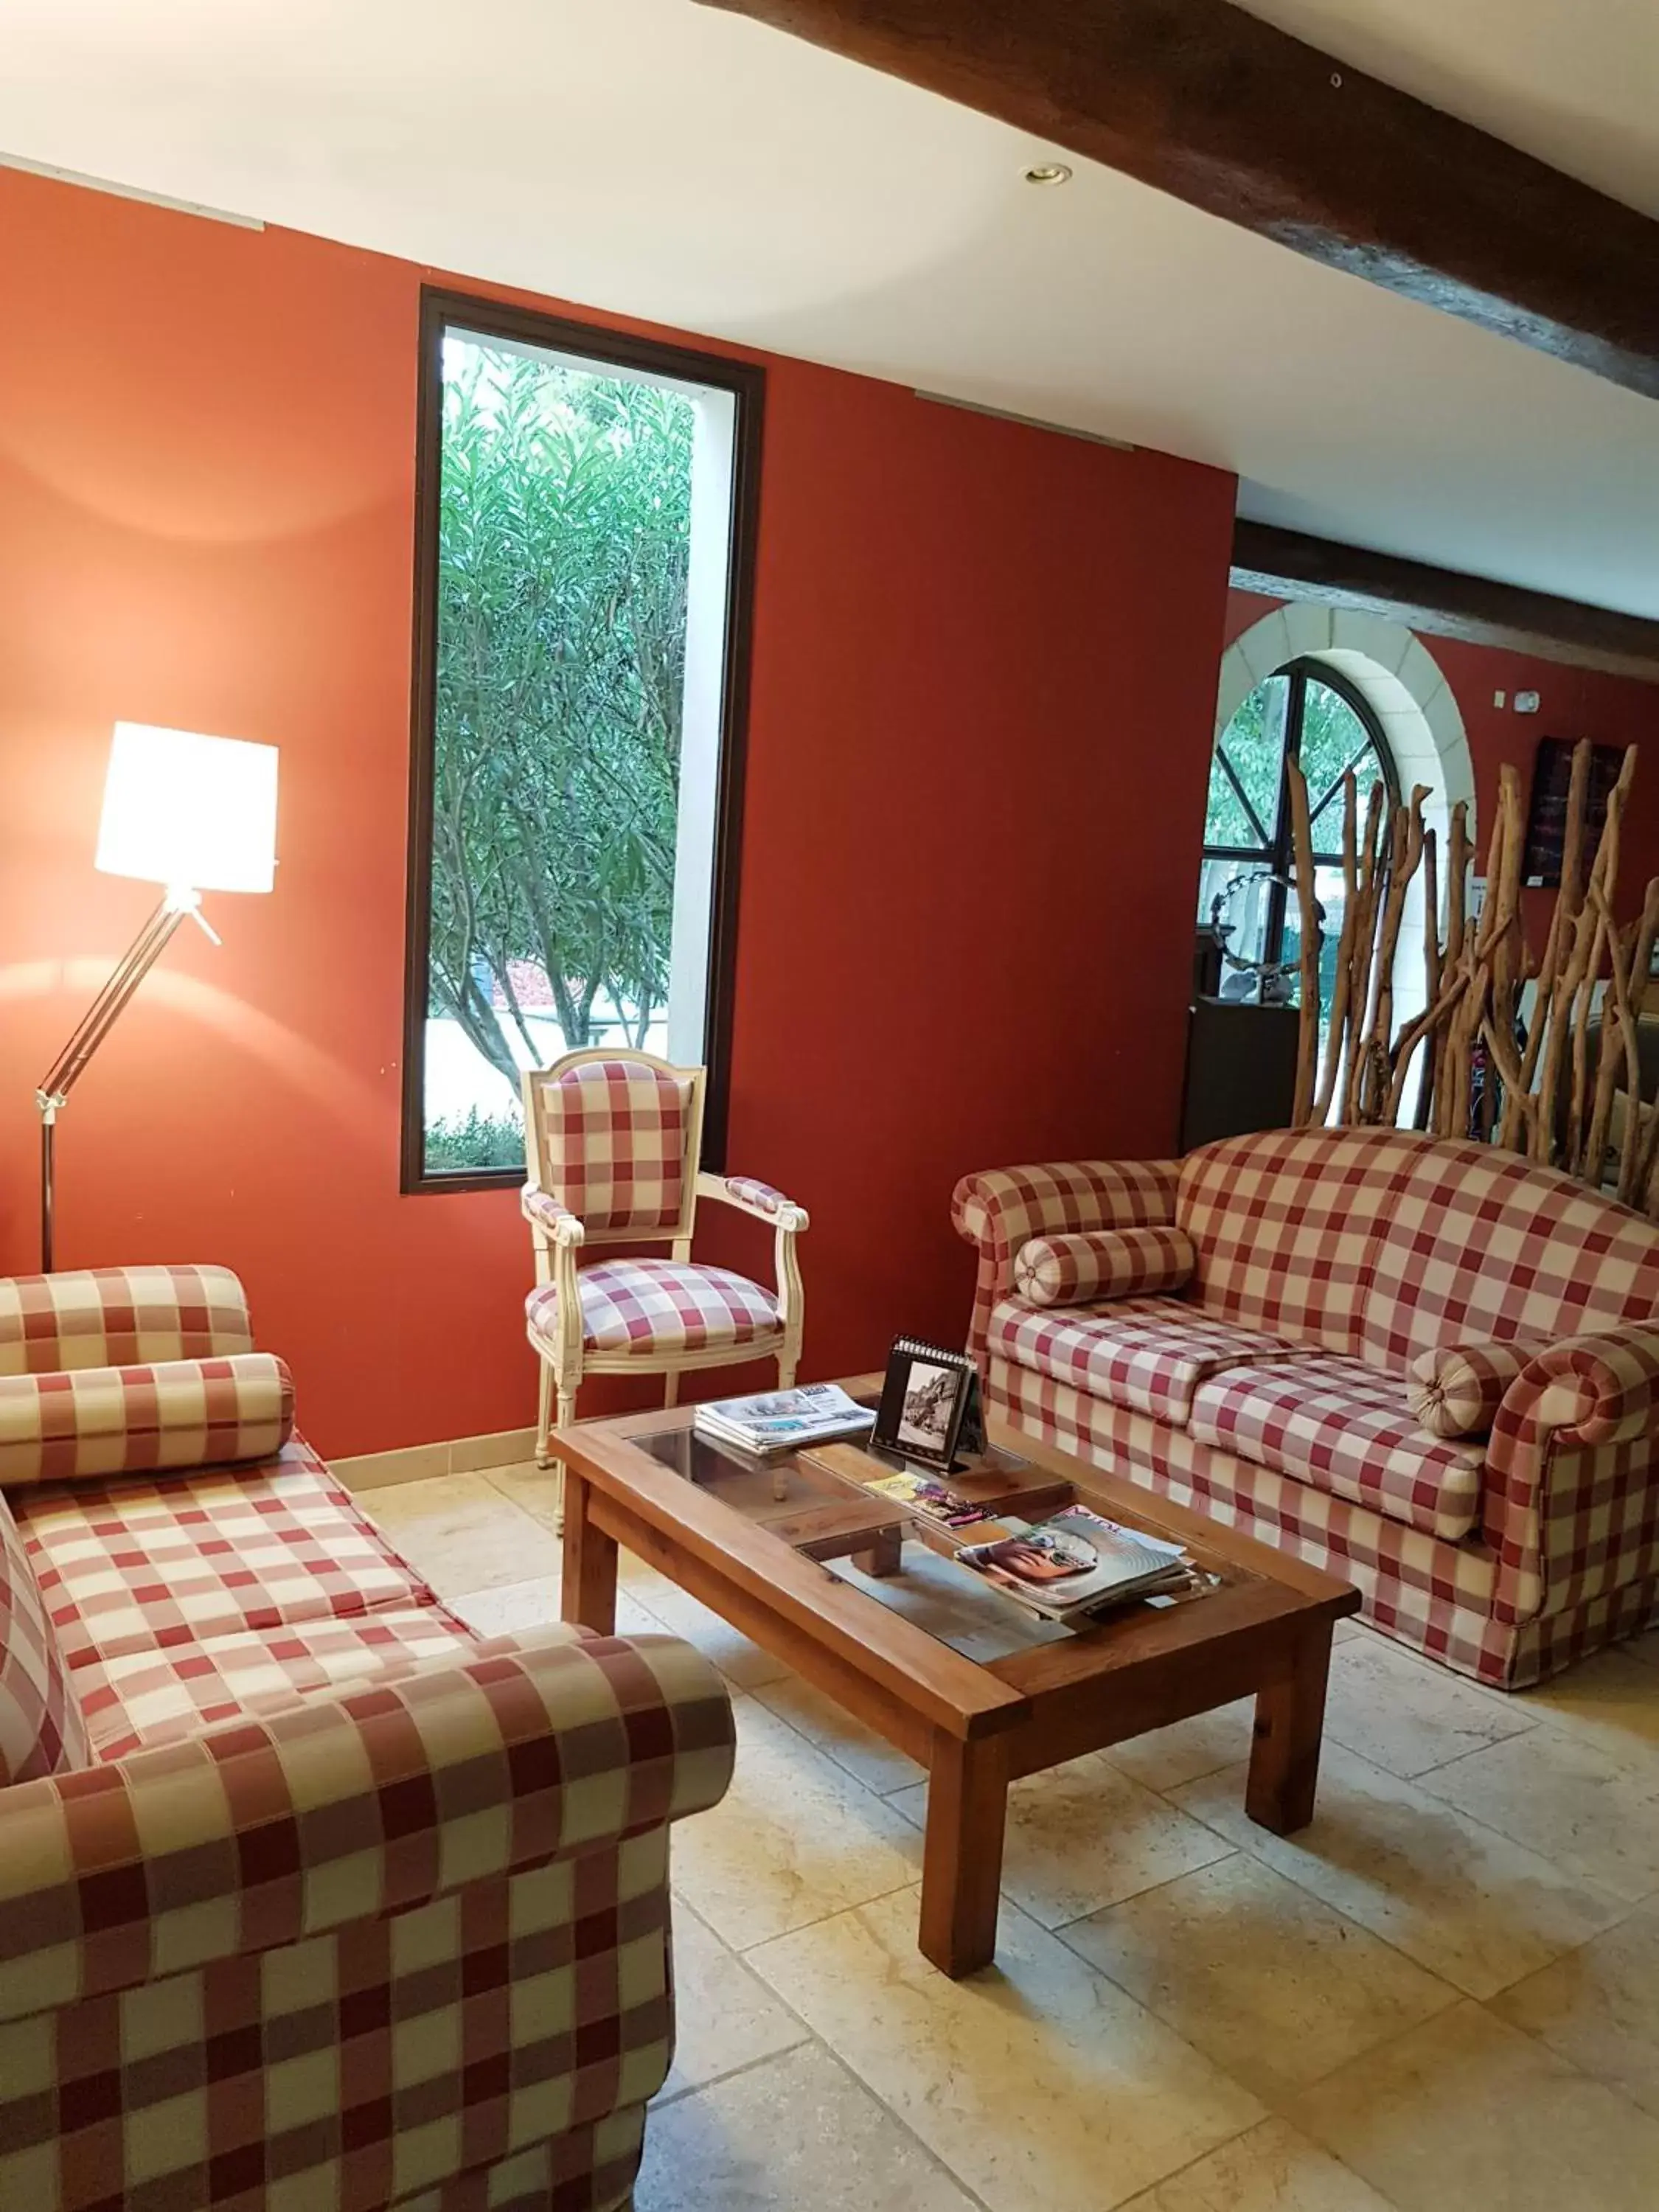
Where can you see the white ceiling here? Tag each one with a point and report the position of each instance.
(656, 158)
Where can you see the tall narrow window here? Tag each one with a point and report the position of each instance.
(583, 567)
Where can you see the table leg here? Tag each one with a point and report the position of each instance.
(588, 1585)
(1290, 1721)
(883, 1556)
(962, 1863)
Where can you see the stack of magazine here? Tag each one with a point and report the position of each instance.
(1077, 1563)
(784, 1420)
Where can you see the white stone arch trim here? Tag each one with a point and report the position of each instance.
(1407, 688)
(1390, 664)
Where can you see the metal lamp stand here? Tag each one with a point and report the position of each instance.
(99, 1019)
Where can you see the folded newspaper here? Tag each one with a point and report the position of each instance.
(784, 1420)
(1077, 1563)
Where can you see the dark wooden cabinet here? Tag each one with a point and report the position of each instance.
(1241, 1070)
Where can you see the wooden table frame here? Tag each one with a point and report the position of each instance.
(975, 1728)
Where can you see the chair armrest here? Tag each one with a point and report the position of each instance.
(1102, 1263)
(546, 1211)
(750, 1196)
(259, 1833)
(119, 1317)
(1598, 1389)
(1000, 1209)
(101, 1421)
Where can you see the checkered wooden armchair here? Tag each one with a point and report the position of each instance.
(309, 1898)
(612, 1141)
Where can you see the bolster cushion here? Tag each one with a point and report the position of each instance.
(1455, 1389)
(1103, 1263)
(116, 1316)
(100, 1421)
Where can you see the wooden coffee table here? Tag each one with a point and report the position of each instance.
(715, 1522)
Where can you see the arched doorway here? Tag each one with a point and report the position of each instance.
(1362, 673)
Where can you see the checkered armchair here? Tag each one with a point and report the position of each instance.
(1426, 1367)
(308, 1896)
(612, 1141)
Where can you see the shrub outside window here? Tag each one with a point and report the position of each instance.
(584, 563)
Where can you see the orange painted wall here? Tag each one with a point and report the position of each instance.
(984, 678)
(1573, 703)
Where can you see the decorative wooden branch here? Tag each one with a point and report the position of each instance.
(1559, 1037)
(1307, 1050)
(1305, 885)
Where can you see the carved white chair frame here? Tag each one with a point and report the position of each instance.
(557, 1245)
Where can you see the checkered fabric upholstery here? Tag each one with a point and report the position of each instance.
(1435, 1596)
(752, 1192)
(145, 1566)
(1336, 1424)
(1102, 1263)
(120, 1317)
(1565, 1558)
(1401, 1253)
(157, 1697)
(615, 1139)
(1003, 1208)
(1456, 1389)
(545, 1210)
(1283, 1227)
(590, 2169)
(1478, 1246)
(1147, 1353)
(117, 1420)
(647, 1306)
(409, 1943)
(1572, 1504)
(42, 1729)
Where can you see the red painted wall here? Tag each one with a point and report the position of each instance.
(1573, 703)
(984, 680)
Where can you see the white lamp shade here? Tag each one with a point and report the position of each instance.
(192, 812)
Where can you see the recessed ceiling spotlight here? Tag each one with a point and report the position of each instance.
(1049, 172)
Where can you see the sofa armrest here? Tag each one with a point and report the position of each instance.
(1000, 1209)
(102, 1421)
(1103, 1263)
(120, 1317)
(1569, 1505)
(1598, 1389)
(259, 1833)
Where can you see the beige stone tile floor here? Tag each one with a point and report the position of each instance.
(1441, 1996)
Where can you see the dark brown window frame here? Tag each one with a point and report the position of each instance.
(746, 382)
(1278, 853)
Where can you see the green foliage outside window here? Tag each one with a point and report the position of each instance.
(563, 560)
(1332, 738)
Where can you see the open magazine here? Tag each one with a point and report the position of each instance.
(1076, 1563)
(784, 1420)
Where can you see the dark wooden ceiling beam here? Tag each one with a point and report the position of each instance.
(1242, 121)
(1285, 564)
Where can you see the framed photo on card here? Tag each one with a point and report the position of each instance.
(930, 1405)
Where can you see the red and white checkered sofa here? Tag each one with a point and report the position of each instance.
(1426, 1367)
(310, 1900)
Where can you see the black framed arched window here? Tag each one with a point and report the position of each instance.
(1310, 713)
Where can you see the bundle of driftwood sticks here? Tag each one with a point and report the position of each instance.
(1551, 1058)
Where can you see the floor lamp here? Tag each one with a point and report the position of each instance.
(194, 814)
